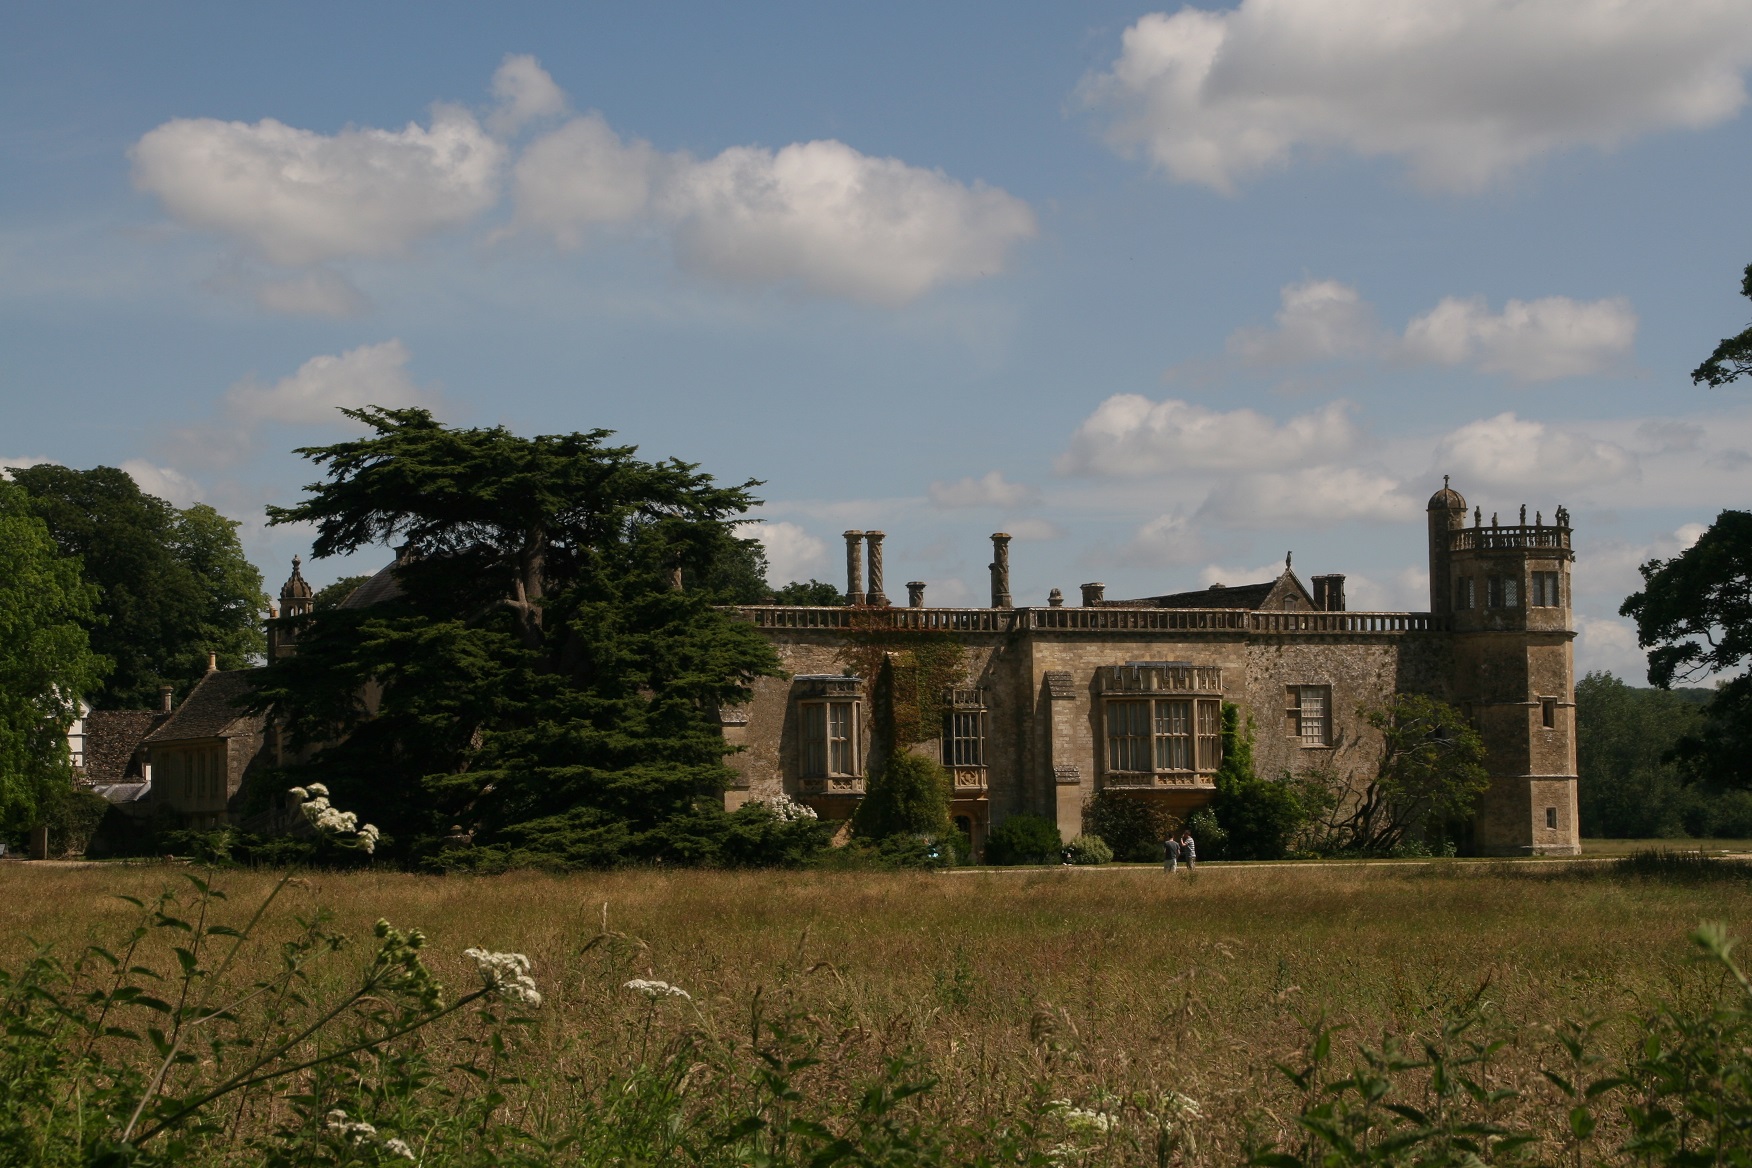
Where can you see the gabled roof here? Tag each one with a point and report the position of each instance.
(111, 738)
(1270, 594)
(210, 710)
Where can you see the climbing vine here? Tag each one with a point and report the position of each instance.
(924, 663)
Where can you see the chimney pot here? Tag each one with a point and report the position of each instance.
(1055, 599)
(915, 593)
(1001, 570)
(854, 567)
(166, 700)
(1093, 594)
(212, 661)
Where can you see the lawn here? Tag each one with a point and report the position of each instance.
(1162, 1001)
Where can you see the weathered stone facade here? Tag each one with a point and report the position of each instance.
(1068, 701)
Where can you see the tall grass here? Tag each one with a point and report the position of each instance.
(1061, 1016)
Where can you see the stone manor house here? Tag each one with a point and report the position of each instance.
(1061, 702)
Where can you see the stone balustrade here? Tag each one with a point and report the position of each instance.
(1103, 619)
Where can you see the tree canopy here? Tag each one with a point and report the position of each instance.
(1732, 358)
(1694, 615)
(46, 662)
(538, 682)
(172, 585)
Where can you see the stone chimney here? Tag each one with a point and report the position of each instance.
(1329, 593)
(1094, 594)
(1055, 599)
(854, 567)
(212, 661)
(166, 700)
(1001, 570)
(915, 593)
(875, 596)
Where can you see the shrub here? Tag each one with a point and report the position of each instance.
(1255, 818)
(1134, 828)
(908, 796)
(1024, 839)
(1088, 849)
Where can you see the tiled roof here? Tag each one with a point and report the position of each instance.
(210, 710)
(111, 738)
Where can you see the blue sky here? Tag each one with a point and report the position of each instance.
(1165, 292)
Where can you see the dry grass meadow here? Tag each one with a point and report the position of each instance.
(1108, 988)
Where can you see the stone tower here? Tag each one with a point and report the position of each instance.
(1504, 591)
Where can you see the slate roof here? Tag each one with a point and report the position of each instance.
(1246, 596)
(1218, 596)
(210, 711)
(111, 738)
(381, 587)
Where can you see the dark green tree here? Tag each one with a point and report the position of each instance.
(1261, 819)
(908, 796)
(46, 663)
(538, 681)
(173, 585)
(1429, 774)
(814, 593)
(1732, 358)
(1024, 839)
(1631, 786)
(1694, 615)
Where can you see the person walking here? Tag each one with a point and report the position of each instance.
(1188, 849)
(1172, 846)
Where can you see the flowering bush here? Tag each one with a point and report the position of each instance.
(1088, 849)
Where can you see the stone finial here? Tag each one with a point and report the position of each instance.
(1523, 514)
(1055, 599)
(1094, 594)
(915, 594)
(1289, 556)
(1001, 570)
(1493, 520)
(854, 567)
(1478, 517)
(874, 595)
(1562, 516)
(1538, 519)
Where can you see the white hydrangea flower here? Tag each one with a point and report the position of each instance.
(507, 973)
(656, 989)
(787, 808)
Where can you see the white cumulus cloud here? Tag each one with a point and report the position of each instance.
(299, 197)
(581, 175)
(991, 489)
(369, 375)
(1163, 541)
(791, 552)
(1510, 451)
(1529, 340)
(1536, 340)
(1319, 320)
(825, 217)
(525, 92)
(315, 292)
(1311, 497)
(1461, 90)
(166, 482)
(1130, 435)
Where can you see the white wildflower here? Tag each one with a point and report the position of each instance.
(1082, 1119)
(656, 989)
(301, 793)
(356, 1130)
(319, 789)
(508, 973)
(399, 1148)
(326, 817)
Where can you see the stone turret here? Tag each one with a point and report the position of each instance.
(297, 598)
(1447, 513)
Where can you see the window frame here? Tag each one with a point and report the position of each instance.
(1466, 593)
(1547, 590)
(1297, 720)
(812, 710)
(1159, 730)
(957, 745)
